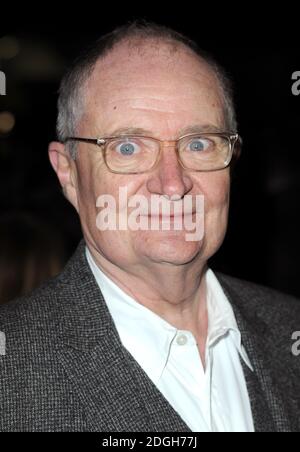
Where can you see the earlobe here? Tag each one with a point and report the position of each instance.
(62, 165)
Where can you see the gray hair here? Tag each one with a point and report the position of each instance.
(70, 101)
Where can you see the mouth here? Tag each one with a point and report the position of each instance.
(170, 217)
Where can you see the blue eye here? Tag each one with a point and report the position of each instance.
(198, 145)
(127, 149)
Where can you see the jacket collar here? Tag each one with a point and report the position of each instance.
(267, 385)
(115, 392)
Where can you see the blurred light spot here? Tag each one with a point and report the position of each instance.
(7, 122)
(9, 47)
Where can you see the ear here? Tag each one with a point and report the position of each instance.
(65, 169)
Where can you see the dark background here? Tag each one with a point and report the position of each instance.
(262, 243)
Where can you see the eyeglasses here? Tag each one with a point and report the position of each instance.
(134, 154)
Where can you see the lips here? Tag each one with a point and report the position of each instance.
(167, 217)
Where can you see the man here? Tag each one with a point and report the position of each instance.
(137, 333)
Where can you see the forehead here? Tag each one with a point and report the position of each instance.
(153, 82)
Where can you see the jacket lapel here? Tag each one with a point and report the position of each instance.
(115, 392)
(270, 406)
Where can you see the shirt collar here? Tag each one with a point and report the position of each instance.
(139, 328)
(148, 337)
(221, 318)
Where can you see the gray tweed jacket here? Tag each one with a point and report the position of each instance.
(65, 368)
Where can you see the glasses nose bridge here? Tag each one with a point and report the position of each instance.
(168, 143)
(172, 144)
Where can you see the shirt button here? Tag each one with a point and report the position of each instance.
(181, 339)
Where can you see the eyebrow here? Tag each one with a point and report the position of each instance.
(197, 128)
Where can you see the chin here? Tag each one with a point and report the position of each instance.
(170, 247)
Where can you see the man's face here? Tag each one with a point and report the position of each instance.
(163, 94)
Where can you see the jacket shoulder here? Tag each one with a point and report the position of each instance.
(30, 324)
(269, 304)
(38, 305)
(45, 305)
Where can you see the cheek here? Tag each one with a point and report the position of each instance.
(88, 189)
(95, 181)
(221, 196)
(216, 190)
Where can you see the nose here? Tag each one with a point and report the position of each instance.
(169, 179)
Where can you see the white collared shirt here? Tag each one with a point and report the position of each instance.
(212, 400)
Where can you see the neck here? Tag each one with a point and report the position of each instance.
(177, 293)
